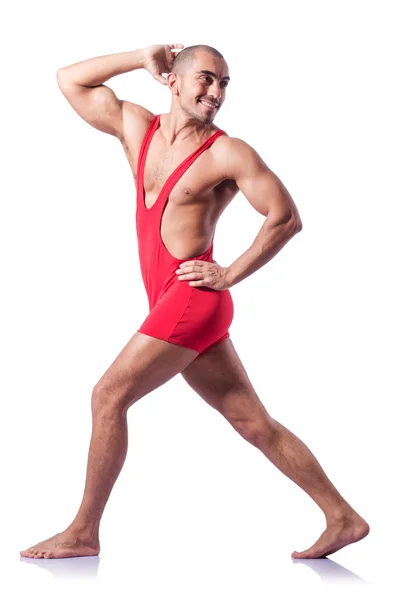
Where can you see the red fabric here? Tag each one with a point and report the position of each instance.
(196, 318)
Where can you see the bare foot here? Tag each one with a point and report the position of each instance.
(63, 545)
(337, 535)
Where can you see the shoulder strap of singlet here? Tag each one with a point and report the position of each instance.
(179, 171)
(145, 146)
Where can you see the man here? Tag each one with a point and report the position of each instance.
(187, 171)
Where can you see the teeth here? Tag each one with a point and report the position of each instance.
(207, 104)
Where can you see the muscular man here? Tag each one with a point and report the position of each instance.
(187, 171)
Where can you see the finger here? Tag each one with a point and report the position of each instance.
(174, 46)
(161, 79)
(198, 283)
(193, 275)
(193, 268)
(196, 269)
(193, 263)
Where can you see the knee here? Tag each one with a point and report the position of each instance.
(259, 431)
(101, 399)
(106, 400)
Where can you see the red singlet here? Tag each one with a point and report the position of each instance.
(194, 317)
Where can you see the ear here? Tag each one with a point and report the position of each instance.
(172, 80)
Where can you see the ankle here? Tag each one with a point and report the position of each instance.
(86, 532)
(340, 515)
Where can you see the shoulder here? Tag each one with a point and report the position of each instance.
(236, 155)
(136, 120)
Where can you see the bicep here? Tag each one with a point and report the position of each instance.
(98, 105)
(260, 185)
(101, 108)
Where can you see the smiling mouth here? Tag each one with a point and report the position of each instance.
(207, 104)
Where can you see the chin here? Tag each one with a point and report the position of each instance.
(205, 117)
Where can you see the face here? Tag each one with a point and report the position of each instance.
(203, 87)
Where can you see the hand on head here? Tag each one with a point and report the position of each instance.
(159, 59)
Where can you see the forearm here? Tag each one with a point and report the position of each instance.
(269, 241)
(95, 71)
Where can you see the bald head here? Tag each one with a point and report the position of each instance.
(183, 61)
(198, 79)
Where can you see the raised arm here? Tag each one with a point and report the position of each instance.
(82, 84)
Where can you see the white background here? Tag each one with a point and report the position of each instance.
(197, 512)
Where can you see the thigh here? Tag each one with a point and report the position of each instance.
(219, 377)
(144, 364)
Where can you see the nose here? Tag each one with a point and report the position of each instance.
(215, 91)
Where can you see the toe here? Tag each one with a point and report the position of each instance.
(310, 553)
(303, 554)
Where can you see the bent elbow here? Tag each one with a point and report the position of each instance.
(295, 224)
(287, 220)
(298, 226)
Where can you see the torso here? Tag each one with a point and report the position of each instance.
(197, 200)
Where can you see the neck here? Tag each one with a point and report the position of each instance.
(178, 127)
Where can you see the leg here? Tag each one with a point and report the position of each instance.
(219, 377)
(143, 365)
